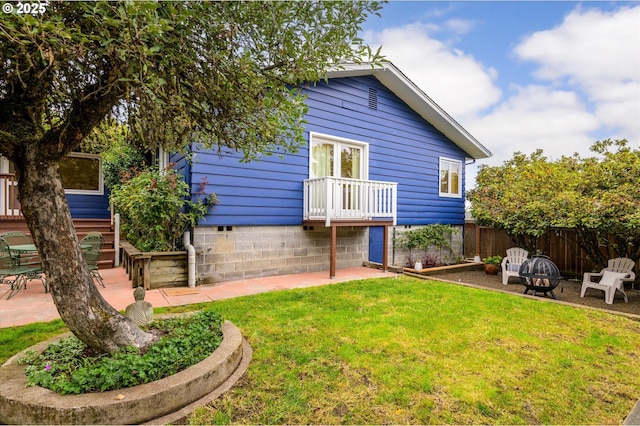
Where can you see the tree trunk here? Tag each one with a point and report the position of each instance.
(81, 306)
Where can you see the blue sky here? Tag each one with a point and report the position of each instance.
(522, 75)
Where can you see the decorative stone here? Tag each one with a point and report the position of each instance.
(140, 312)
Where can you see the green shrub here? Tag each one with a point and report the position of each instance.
(156, 209)
(430, 236)
(68, 367)
(493, 260)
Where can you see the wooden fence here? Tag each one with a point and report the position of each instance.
(562, 248)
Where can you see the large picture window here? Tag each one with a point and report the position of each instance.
(82, 174)
(337, 157)
(450, 178)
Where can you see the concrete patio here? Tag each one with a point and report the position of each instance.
(34, 305)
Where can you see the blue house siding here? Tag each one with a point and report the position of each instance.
(89, 206)
(266, 192)
(403, 148)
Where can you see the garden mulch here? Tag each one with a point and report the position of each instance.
(568, 291)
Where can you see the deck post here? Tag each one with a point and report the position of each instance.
(332, 255)
(385, 247)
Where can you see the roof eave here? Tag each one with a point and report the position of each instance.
(392, 78)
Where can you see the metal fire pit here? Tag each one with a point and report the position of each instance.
(540, 274)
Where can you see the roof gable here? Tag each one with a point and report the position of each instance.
(392, 78)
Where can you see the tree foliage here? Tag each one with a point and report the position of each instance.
(226, 75)
(597, 196)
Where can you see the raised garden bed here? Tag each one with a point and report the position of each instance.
(154, 269)
(160, 402)
(447, 269)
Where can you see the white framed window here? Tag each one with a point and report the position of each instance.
(337, 157)
(450, 178)
(82, 174)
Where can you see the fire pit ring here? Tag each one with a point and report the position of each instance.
(540, 274)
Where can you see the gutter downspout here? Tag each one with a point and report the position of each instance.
(191, 258)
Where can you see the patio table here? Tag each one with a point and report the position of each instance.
(23, 248)
(30, 249)
(27, 248)
(28, 270)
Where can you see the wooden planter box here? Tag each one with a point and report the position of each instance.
(154, 269)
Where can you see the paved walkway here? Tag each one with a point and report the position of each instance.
(34, 305)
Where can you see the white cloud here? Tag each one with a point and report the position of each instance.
(587, 88)
(598, 53)
(458, 26)
(536, 117)
(455, 80)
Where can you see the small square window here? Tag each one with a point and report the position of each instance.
(450, 178)
(82, 174)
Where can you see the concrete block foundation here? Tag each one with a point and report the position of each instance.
(241, 252)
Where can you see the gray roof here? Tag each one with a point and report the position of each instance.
(393, 79)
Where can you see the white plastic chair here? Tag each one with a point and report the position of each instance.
(611, 278)
(511, 263)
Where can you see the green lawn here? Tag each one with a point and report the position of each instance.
(412, 351)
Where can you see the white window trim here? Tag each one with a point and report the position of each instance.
(100, 191)
(336, 140)
(161, 159)
(449, 194)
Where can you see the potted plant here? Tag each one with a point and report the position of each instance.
(492, 264)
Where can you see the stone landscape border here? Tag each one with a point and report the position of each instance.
(163, 401)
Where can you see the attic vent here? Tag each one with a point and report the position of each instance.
(373, 98)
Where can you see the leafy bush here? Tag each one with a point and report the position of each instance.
(493, 260)
(68, 367)
(436, 235)
(156, 209)
(430, 236)
(427, 260)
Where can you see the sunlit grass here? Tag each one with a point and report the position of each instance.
(15, 339)
(412, 351)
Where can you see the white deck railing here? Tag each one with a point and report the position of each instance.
(9, 206)
(330, 198)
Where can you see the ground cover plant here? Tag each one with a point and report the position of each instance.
(412, 351)
(69, 366)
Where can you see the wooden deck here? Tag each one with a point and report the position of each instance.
(83, 226)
